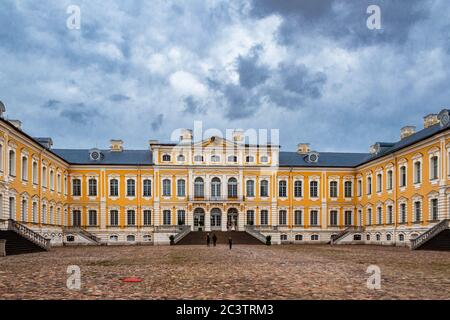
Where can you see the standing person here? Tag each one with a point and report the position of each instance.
(214, 239)
(230, 242)
(208, 239)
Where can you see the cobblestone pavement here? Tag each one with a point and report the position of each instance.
(246, 272)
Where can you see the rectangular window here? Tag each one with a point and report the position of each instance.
(131, 188)
(250, 217)
(298, 217)
(298, 189)
(403, 213)
(131, 217)
(76, 186)
(389, 180)
(403, 176)
(348, 217)
(92, 187)
(313, 189)
(333, 218)
(379, 183)
(181, 188)
(114, 188)
(314, 218)
(369, 217)
(167, 217)
(282, 218)
(417, 211)
(282, 190)
(379, 215)
(181, 214)
(250, 188)
(58, 182)
(114, 218)
(92, 217)
(264, 217)
(369, 185)
(390, 215)
(24, 169)
(434, 167)
(34, 172)
(333, 189)
(417, 172)
(264, 188)
(359, 188)
(166, 188)
(348, 189)
(147, 190)
(434, 210)
(147, 218)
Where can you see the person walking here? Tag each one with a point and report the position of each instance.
(214, 239)
(230, 242)
(208, 239)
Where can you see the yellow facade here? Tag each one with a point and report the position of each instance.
(230, 195)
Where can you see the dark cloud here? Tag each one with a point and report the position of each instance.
(250, 72)
(52, 104)
(119, 98)
(193, 106)
(300, 80)
(79, 113)
(157, 122)
(240, 102)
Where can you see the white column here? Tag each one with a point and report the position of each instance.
(224, 221)
(207, 220)
(240, 225)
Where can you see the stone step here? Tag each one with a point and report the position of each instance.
(238, 237)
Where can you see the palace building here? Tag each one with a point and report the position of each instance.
(396, 194)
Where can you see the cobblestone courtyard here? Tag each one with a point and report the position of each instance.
(246, 272)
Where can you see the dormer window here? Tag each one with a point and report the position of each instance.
(198, 158)
(264, 159)
(95, 155)
(166, 158)
(215, 158)
(232, 159)
(181, 158)
(249, 159)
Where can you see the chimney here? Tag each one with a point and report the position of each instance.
(116, 145)
(430, 120)
(46, 142)
(303, 148)
(407, 131)
(16, 123)
(186, 136)
(238, 136)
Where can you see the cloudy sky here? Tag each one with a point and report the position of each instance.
(137, 70)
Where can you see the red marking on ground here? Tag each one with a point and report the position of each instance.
(132, 279)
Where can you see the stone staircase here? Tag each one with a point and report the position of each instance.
(435, 238)
(85, 234)
(199, 238)
(20, 239)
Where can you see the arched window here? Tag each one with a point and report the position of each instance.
(113, 238)
(215, 187)
(298, 237)
(92, 186)
(403, 176)
(44, 214)
(34, 212)
(147, 190)
(52, 180)
(264, 188)
(388, 237)
(24, 210)
(401, 237)
(379, 182)
(369, 216)
(44, 177)
(232, 159)
(389, 180)
(282, 188)
(12, 163)
(379, 215)
(333, 189)
(114, 188)
(249, 159)
(131, 238)
(35, 172)
(232, 188)
(369, 185)
(24, 168)
(181, 188)
(199, 188)
(181, 158)
(264, 159)
(198, 158)
(417, 211)
(215, 158)
(166, 188)
(417, 172)
(76, 187)
(131, 188)
(402, 213)
(314, 237)
(378, 237)
(298, 189)
(283, 237)
(166, 157)
(250, 186)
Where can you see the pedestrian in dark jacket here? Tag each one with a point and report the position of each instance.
(208, 239)
(230, 242)
(214, 239)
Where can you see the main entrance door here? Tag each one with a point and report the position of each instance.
(199, 219)
(216, 219)
(232, 219)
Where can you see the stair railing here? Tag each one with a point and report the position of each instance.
(255, 233)
(83, 232)
(184, 232)
(429, 234)
(29, 234)
(344, 233)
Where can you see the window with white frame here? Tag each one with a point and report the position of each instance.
(12, 163)
(131, 217)
(348, 192)
(359, 187)
(232, 188)
(298, 189)
(250, 186)
(114, 187)
(52, 180)
(389, 180)
(250, 217)
(249, 159)
(34, 172)
(333, 218)
(131, 188)
(216, 187)
(313, 189)
(282, 217)
(282, 188)
(403, 176)
(147, 217)
(369, 216)
(417, 211)
(379, 182)
(24, 168)
(44, 214)
(181, 188)
(76, 187)
(264, 159)
(369, 185)
(181, 158)
(417, 172)
(92, 190)
(181, 217)
(215, 158)
(34, 212)
(1, 157)
(167, 217)
(51, 214)
(348, 217)
(264, 188)
(24, 210)
(232, 159)
(298, 217)
(114, 217)
(147, 188)
(166, 188)
(390, 214)
(264, 217)
(166, 158)
(379, 215)
(434, 206)
(314, 218)
(198, 158)
(92, 218)
(199, 188)
(434, 168)
(44, 177)
(333, 189)
(402, 213)
(58, 182)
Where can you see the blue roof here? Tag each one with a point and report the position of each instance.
(125, 157)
